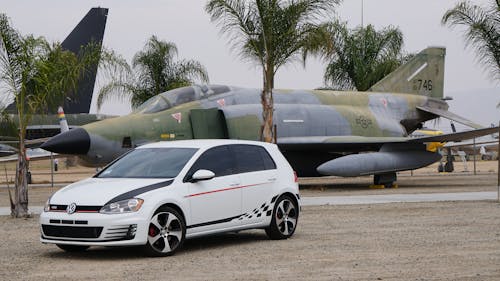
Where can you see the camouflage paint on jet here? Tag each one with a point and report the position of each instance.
(313, 126)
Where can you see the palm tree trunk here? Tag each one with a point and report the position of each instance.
(267, 105)
(21, 193)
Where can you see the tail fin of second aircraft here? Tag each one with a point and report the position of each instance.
(89, 29)
(423, 74)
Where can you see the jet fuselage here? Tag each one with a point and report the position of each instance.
(228, 112)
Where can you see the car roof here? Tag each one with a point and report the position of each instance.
(201, 143)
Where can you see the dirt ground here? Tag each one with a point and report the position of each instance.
(399, 241)
(415, 241)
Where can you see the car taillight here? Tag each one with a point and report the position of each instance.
(295, 178)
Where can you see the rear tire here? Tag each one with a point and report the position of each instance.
(284, 218)
(72, 248)
(166, 232)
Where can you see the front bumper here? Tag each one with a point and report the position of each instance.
(93, 229)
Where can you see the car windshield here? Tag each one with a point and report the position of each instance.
(149, 163)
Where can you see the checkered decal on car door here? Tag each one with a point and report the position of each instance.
(265, 209)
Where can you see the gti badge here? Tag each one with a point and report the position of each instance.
(71, 208)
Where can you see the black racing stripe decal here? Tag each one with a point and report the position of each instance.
(213, 222)
(135, 192)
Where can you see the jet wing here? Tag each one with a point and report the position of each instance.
(457, 136)
(384, 155)
(34, 143)
(337, 143)
(462, 144)
(450, 115)
(33, 155)
(359, 143)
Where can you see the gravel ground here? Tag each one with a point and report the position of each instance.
(400, 241)
(415, 241)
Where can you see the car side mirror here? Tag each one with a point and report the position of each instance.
(202, 175)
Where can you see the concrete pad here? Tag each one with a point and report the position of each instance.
(397, 198)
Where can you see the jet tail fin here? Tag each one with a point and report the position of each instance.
(89, 30)
(423, 74)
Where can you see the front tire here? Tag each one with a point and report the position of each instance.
(166, 232)
(72, 248)
(284, 218)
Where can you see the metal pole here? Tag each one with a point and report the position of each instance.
(362, 15)
(474, 153)
(275, 133)
(498, 160)
(51, 170)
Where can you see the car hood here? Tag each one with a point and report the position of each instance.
(99, 191)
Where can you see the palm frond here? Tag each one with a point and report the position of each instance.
(360, 57)
(482, 31)
(119, 89)
(154, 70)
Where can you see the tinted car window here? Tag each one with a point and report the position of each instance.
(218, 160)
(268, 161)
(149, 163)
(250, 158)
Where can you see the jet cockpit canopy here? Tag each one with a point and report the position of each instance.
(178, 96)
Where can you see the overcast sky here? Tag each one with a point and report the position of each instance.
(184, 22)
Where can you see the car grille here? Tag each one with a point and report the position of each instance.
(79, 209)
(72, 231)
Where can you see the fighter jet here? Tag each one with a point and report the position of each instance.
(320, 132)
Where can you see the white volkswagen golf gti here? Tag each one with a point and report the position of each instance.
(160, 194)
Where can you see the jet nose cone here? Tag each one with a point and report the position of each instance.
(75, 141)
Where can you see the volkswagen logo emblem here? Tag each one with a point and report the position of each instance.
(71, 208)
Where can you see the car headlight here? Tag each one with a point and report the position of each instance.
(46, 208)
(124, 206)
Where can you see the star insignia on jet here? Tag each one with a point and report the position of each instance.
(177, 116)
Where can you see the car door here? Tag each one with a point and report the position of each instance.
(216, 202)
(257, 172)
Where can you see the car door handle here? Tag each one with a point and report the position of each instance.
(271, 179)
(234, 184)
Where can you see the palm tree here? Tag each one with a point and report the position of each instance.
(154, 72)
(482, 31)
(270, 33)
(38, 75)
(361, 56)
